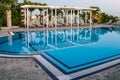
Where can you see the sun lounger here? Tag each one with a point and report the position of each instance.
(82, 23)
(116, 23)
(31, 25)
(109, 22)
(38, 23)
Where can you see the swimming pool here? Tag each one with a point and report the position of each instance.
(69, 50)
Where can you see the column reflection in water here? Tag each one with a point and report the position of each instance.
(84, 36)
(71, 35)
(56, 33)
(10, 39)
(37, 39)
(27, 35)
(58, 39)
(81, 36)
(77, 35)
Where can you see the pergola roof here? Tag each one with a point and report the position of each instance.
(57, 7)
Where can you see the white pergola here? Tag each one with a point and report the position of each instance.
(65, 8)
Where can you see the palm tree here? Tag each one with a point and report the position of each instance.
(41, 16)
(25, 1)
(44, 4)
(95, 11)
(95, 14)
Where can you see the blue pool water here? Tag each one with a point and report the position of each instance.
(69, 50)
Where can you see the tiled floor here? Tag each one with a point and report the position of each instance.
(21, 69)
(27, 69)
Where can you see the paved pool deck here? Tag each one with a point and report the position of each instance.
(28, 69)
(21, 69)
(5, 32)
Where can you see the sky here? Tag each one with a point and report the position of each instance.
(111, 7)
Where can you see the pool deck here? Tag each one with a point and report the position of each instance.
(5, 32)
(21, 69)
(28, 69)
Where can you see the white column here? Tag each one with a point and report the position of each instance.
(47, 18)
(78, 17)
(51, 17)
(67, 17)
(27, 19)
(85, 17)
(43, 18)
(71, 18)
(90, 18)
(9, 24)
(55, 18)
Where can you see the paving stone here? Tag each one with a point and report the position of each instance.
(21, 69)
